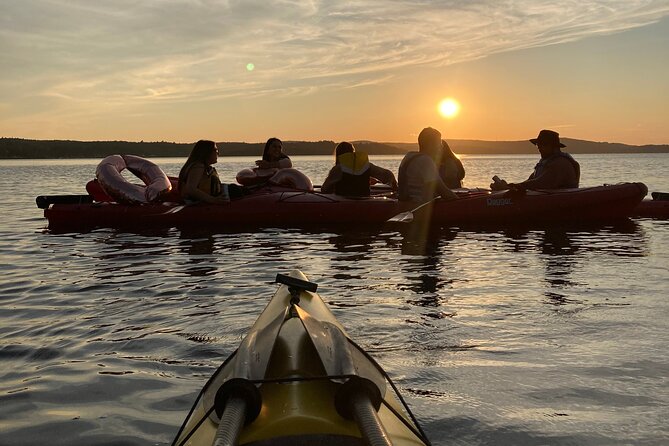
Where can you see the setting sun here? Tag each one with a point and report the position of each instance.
(449, 108)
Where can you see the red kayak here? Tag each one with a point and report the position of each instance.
(279, 206)
(657, 207)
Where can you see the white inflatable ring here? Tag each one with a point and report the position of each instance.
(108, 173)
(251, 177)
(292, 178)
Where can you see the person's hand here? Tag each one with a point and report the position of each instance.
(449, 195)
(498, 184)
(263, 164)
(221, 199)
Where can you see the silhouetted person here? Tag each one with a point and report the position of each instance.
(198, 179)
(451, 169)
(273, 156)
(352, 172)
(418, 176)
(556, 170)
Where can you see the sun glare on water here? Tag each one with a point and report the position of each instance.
(449, 108)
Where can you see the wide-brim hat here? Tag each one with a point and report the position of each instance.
(548, 137)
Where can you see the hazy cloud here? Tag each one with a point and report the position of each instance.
(114, 52)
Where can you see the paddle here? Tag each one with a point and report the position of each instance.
(407, 216)
(43, 201)
(173, 210)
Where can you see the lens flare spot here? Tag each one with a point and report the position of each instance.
(250, 67)
(449, 108)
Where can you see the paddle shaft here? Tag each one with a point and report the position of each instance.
(232, 422)
(368, 421)
(407, 216)
(44, 201)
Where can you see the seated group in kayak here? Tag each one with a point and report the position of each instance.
(431, 172)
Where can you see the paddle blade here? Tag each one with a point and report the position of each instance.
(174, 210)
(402, 217)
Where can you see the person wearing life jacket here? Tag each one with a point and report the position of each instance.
(352, 172)
(273, 160)
(199, 181)
(555, 170)
(418, 176)
(451, 169)
(273, 156)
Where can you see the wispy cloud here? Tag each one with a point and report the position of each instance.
(112, 52)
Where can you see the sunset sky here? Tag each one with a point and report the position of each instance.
(182, 70)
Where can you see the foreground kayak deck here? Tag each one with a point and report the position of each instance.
(296, 379)
(285, 207)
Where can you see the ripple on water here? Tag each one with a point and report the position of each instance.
(494, 337)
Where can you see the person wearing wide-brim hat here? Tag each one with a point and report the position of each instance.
(555, 170)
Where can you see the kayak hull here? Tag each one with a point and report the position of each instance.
(295, 360)
(285, 207)
(658, 209)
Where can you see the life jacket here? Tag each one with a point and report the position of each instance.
(541, 166)
(355, 170)
(403, 177)
(210, 182)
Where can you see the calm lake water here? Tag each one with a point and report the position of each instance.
(534, 337)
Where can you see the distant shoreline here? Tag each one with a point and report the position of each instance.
(17, 148)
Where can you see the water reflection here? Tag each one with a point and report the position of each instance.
(354, 251)
(198, 252)
(425, 255)
(560, 257)
(563, 251)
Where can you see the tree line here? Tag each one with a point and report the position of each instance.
(17, 148)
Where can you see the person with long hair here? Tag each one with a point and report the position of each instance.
(450, 167)
(351, 174)
(273, 156)
(198, 179)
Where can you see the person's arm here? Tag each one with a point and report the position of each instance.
(334, 176)
(552, 177)
(192, 191)
(433, 181)
(383, 175)
(443, 190)
(283, 163)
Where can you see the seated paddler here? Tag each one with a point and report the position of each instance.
(555, 170)
(419, 178)
(353, 173)
(199, 181)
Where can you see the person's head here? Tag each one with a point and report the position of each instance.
(446, 149)
(429, 142)
(548, 142)
(342, 148)
(204, 151)
(273, 150)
